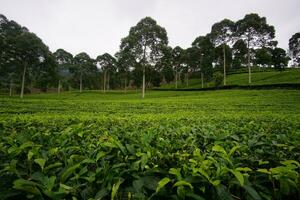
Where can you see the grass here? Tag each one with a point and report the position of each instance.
(156, 102)
(258, 78)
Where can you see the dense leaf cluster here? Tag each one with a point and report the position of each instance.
(157, 159)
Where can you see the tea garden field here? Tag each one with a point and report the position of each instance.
(231, 144)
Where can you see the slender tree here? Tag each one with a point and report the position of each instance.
(256, 33)
(221, 53)
(83, 67)
(222, 34)
(64, 61)
(21, 51)
(166, 65)
(123, 63)
(30, 51)
(145, 43)
(107, 64)
(205, 51)
(177, 55)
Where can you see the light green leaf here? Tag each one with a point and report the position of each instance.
(232, 150)
(261, 162)
(215, 182)
(176, 172)
(27, 186)
(65, 175)
(115, 188)
(290, 162)
(238, 176)
(162, 183)
(29, 155)
(100, 155)
(182, 183)
(218, 148)
(264, 171)
(65, 187)
(51, 166)
(26, 144)
(41, 162)
(243, 169)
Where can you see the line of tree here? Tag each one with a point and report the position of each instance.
(144, 59)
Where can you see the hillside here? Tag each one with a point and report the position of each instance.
(258, 78)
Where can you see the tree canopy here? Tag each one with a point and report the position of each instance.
(294, 47)
(145, 44)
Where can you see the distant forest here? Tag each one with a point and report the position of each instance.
(144, 59)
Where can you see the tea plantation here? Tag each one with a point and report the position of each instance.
(233, 144)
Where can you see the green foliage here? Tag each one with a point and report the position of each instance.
(113, 146)
(206, 55)
(260, 76)
(279, 58)
(294, 48)
(263, 56)
(239, 53)
(219, 57)
(218, 79)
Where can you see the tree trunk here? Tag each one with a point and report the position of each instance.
(201, 80)
(144, 71)
(58, 88)
(143, 89)
(224, 55)
(107, 81)
(10, 87)
(80, 89)
(125, 86)
(187, 79)
(104, 81)
(23, 80)
(249, 67)
(176, 77)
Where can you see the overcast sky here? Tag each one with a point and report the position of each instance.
(97, 26)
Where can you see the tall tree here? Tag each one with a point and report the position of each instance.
(192, 61)
(255, 31)
(263, 56)
(23, 54)
(219, 59)
(206, 55)
(44, 74)
(8, 64)
(294, 48)
(145, 43)
(29, 51)
(64, 61)
(125, 62)
(83, 67)
(107, 64)
(10, 68)
(279, 58)
(177, 55)
(166, 65)
(222, 34)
